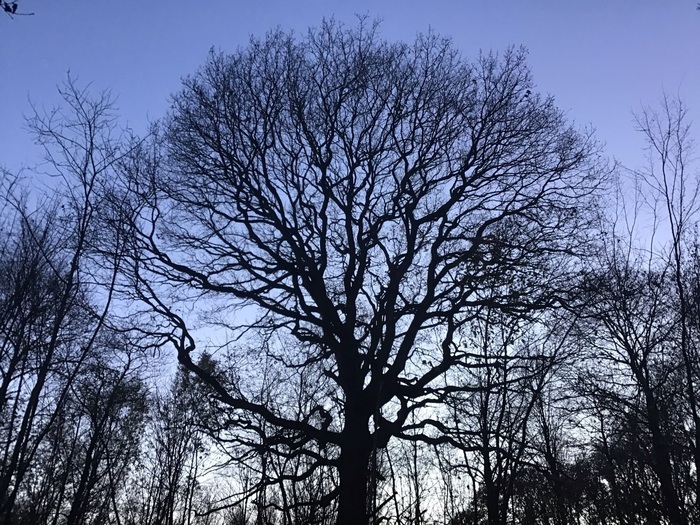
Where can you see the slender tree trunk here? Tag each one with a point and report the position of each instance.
(664, 471)
(662, 464)
(690, 366)
(492, 499)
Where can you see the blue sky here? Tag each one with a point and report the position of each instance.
(601, 59)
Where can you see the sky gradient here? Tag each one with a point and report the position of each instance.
(599, 59)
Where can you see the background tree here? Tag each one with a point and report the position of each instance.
(514, 360)
(166, 485)
(67, 396)
(674, 188)
(640, 382)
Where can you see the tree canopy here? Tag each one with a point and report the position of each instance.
(369, 200)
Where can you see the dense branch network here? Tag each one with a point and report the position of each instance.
(369, 201)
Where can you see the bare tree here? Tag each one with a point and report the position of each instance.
(514, 360)
(675, 191)
(55, 299)
(354, 203)
(639, 329)
(634, 384)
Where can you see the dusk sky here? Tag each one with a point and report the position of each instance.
(601, 59)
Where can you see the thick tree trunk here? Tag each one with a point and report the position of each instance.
(353, 471)
(353, 467)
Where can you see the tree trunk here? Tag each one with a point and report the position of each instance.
(662, 464)
(664, 471)
(353, 468)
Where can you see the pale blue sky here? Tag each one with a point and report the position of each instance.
(599, 58)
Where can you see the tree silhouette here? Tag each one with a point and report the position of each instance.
(347, 207)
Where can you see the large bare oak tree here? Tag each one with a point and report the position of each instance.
(349, 205)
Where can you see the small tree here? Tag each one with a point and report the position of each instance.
(366, 199)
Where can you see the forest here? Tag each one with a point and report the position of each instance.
(350, 281)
